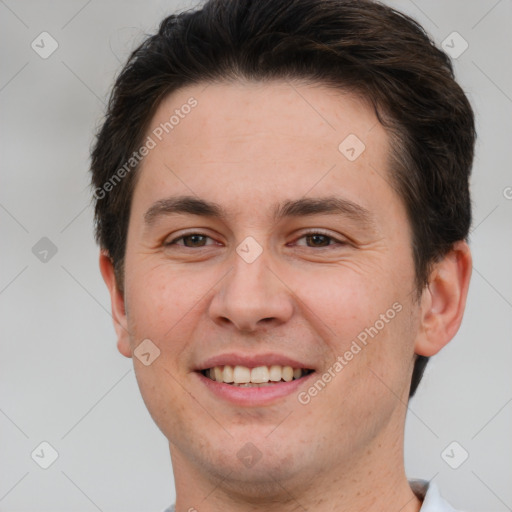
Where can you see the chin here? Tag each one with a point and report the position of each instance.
(263, 482)
(258, 465)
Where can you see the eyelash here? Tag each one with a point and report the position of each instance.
(306, 234)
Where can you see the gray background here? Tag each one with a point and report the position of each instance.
(61, 377)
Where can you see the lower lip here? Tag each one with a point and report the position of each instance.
(252, 396)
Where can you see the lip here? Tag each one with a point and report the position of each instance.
(251, 361)
(252, 396)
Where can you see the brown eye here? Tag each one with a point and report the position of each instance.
(318, 240)
(192, 240)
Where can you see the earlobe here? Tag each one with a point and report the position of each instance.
(444, 299)
(117, 304)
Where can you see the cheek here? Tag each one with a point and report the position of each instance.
(161, 308)
(364, 319)
(159, 298)
(164, 398)
(344, 298)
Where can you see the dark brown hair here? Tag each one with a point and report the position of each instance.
(354, 45)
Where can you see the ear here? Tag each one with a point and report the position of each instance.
(443, 300)
(117, 304)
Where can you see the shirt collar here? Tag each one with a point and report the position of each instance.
(431, 497)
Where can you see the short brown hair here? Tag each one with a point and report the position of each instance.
(357, 45)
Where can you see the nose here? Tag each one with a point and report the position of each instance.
(251, 296)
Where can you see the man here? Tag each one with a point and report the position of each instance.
(282, 206)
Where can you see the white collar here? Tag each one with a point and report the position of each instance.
(431, 497)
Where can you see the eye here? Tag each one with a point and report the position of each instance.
(190, 240)
(313, 239)
(318, 239)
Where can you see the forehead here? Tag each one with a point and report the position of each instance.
(271, 138)
(228, 113)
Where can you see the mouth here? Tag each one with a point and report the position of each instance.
(259, 376)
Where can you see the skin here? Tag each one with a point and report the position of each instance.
(248, 146)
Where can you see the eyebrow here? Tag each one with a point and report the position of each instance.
(291, 208)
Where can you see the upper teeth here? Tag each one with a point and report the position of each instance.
(242, 374)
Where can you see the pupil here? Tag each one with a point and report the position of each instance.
(320, 239)
(194, 239)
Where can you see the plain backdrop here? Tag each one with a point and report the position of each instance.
(62, 380)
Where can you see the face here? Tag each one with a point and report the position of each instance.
(292, 250)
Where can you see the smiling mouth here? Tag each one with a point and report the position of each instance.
(243, 376)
